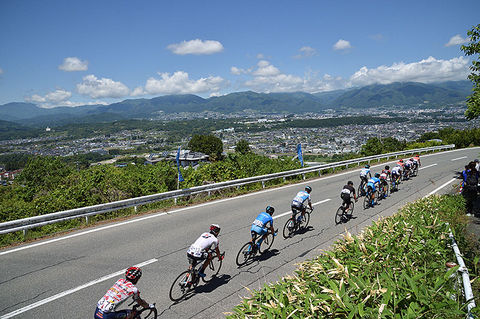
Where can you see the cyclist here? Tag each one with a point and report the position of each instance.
(260, 225)
(200, 249)
(373, 183)
(347, 193)
(401, 164)
(396, 173)
(416, 160)
(384, 177)
(300, 202)
(408, 166)
(118, 294)
(365, 174)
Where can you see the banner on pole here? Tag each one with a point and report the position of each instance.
(299, 153)
(180, 177)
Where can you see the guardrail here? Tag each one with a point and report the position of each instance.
(85, 212)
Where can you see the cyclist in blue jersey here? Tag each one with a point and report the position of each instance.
(300, 202)
(373, 183)
(260, 225)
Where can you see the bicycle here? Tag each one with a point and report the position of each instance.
(343, 213)
(394, 182)
(189, 279)
(361, 188)
(414, 170)
(384, 190)
(250, 249)
(368, 200)
(296, 222)
(145, 313)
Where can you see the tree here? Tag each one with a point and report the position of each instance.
(207, 144)
(473, 48)
(242, 147)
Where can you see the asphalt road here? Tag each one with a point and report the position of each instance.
(66, 276)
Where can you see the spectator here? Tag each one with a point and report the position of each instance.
(470, 187)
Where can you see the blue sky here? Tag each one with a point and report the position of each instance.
(69, 53)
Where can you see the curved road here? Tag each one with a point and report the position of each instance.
(64, 277)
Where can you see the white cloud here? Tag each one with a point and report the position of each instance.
(180, 83)
(425, 71)
(342, 45)
(71, 64)
(456, 40)
(138, 91)
(265, 69)
(237, 71)
(101, 88)
(196, 46)
(305, 52)
(56, 97)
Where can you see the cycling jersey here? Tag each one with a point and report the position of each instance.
(383, 177)
(396, 170)
(301, 199)
(409, 163)
(373, 182)
(115, 296)
(260, 223)
(347, 192)
(205, 242)
(400, 164)
(365, 172)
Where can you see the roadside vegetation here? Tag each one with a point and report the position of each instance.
(393, 269)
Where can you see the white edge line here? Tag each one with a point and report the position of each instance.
(71, 291)
(427, 166)
(195, 206)
(458, 158)
(439, 188)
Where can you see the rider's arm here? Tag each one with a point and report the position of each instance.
(142, 302)
(217, 250)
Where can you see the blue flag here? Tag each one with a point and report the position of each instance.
(180, 177)
(299, 153)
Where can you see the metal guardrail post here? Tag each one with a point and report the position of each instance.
(263, 184)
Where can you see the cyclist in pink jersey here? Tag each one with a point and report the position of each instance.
(121, 291)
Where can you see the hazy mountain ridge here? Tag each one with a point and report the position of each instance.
(408, 93)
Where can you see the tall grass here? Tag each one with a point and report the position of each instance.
(394, 269)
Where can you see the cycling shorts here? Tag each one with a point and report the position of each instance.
(111, 315)
(258, 230)
(372, 186)
(297, 209)
(193, 260)
(346, 198)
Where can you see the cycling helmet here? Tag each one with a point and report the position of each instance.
(133, 273)
(349, 183)
(377, 175)
(308, 189)
(401, 161)
(387, 167)
(270, 210)
(214, 229)
(367, 166)
(411, 159)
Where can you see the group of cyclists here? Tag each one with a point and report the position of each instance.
(379, 181)
(200, 251)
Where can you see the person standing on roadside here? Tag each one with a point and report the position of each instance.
(470, 187)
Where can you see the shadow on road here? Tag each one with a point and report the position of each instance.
(214, 284)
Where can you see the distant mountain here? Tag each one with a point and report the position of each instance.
(409, 93)
(11, 130)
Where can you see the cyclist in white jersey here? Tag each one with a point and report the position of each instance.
(200, 249)
(300, 202)
(118, 294)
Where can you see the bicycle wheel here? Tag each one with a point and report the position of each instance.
(339, 215)
(366, 201)
(180, 286)
(386, 190)
(288, 228)
(214, 267)
(360, 190)
(375, 197)
(244, 254)
(146, 313)
(303, 223)
(349, 211)
(266, 243)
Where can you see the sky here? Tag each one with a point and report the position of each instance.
(71, 53)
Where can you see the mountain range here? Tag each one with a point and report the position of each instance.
(395, 94)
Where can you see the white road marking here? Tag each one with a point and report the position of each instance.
(439, 188)
(71, 291)
(458, 158)
(427, 166)
(290, 212)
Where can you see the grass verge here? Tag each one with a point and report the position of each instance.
(393, 269)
